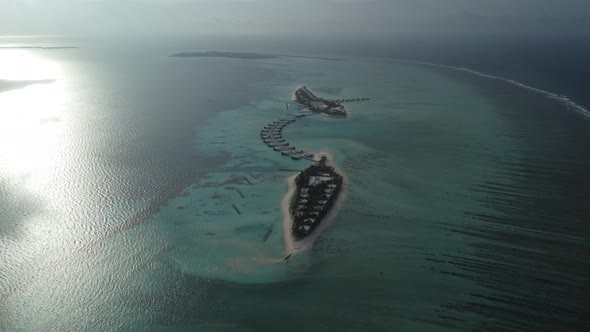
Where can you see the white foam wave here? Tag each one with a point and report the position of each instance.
(562, 99)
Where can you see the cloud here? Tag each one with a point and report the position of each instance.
(289, 17)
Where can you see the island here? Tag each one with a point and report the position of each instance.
(230, 55)
(10, 85)
(316, 190)
(38, 47)
(243, 55)
(307, 99)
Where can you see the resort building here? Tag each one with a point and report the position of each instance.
(315, 180)
(309, 221)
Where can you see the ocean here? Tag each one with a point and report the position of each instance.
(120, 171)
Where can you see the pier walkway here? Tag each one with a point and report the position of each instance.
(350, 100)
(272, 136)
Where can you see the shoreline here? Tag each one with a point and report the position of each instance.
(292, 246)
(346, 117)
(289, 241)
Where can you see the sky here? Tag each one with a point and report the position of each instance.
(323, 18)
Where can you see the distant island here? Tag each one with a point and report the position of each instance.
(9, 85)
(316, 190)
(37, 47)
(243, 55)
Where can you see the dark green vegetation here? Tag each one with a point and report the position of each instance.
(316, 104)
(317, 188)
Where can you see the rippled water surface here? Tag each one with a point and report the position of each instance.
(119, 167)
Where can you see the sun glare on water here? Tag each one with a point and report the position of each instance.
(29, 114)
(19, 65)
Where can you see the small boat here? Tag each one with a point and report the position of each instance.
(295, 157)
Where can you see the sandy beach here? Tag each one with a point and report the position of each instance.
(292, 246)
(293, 97)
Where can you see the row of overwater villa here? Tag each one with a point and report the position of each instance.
(272, 136)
